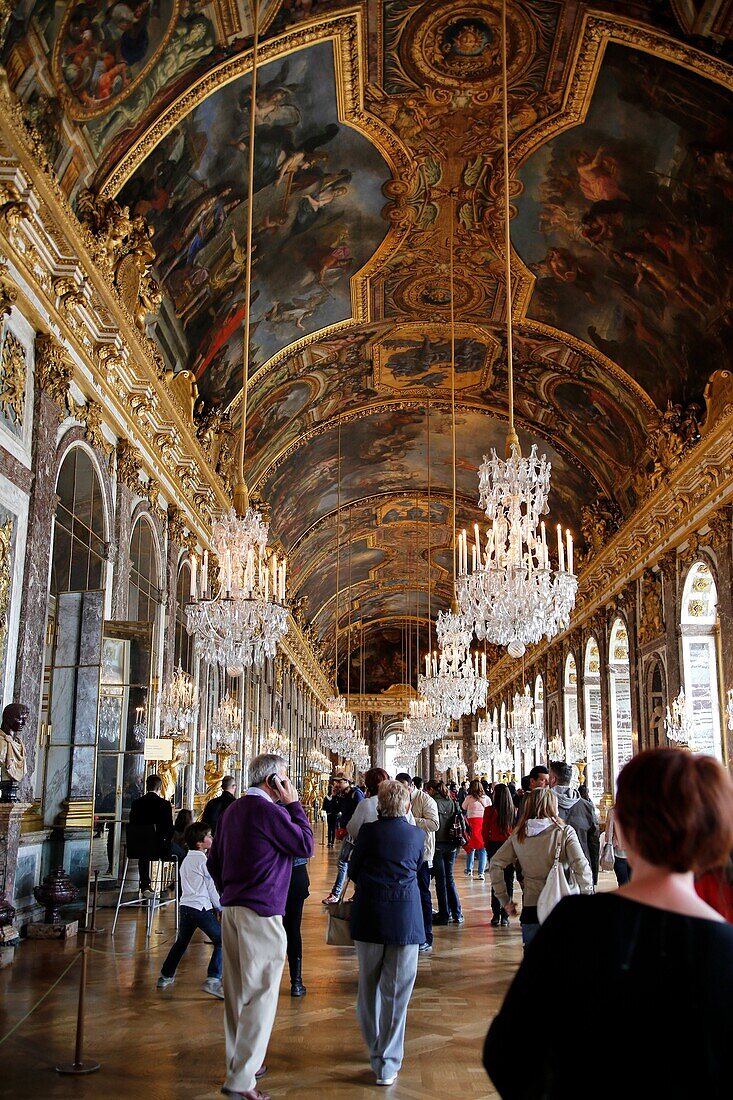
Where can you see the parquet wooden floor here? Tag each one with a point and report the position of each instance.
(169, 1044)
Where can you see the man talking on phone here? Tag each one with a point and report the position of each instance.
(250, 861)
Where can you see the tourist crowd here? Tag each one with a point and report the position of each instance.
(656, 947)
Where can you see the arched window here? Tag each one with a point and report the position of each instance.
(593, 725)
(183, 648)
(699, 658)
(143, 590)
(570, 705)
(539, 709)
(619, 683)
(77, 563)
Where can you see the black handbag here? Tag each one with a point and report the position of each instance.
(459, 829)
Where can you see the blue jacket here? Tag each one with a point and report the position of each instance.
(387, 907)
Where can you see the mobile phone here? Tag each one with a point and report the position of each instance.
(271, 781)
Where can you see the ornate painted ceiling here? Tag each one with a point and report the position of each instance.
(377, 152)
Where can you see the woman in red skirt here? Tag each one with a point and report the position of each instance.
(474, 805)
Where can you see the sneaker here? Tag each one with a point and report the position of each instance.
(331, 899)
(505, 922)
(495, 922)
(459, 919)
(481, 878)
(469, 874)
(148, 894)
(425, 948)
(213, 986)
(387, 1080)
(164, 982)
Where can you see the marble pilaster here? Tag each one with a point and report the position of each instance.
(34, 600)
(671, 611)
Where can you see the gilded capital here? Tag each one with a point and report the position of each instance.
(721, 525)
(53, 369)
(176, 525)
(128, 470)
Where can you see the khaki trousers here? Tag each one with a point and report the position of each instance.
(254, 956)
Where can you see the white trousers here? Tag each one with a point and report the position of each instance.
(254, 956)
(386, 976)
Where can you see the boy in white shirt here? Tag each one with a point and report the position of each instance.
(199, 907)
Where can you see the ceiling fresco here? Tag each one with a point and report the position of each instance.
(626, 223)
(378, 172)
(316, 217)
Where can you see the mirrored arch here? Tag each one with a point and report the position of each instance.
(619, 683)
(700, 658)
(593, 722)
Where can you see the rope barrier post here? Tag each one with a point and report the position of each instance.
(79, 1066)
(91, 927)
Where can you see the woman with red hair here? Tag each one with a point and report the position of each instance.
(653, 954)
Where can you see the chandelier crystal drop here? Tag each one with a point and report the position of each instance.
(277, 743)
(524, 731)
(339, 729)
(505, 761)
(317, 762)
(179, 704)
(241, 624)
(226, 726)
(677, 723)
(506, 587)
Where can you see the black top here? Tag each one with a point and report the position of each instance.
(637, 996)
(215, 807)
(150, 828)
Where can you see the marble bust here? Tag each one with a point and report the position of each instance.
(12, 749)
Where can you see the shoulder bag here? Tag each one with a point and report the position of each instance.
(608, 858)
(459, 829)
(556, 885)
(338, 930)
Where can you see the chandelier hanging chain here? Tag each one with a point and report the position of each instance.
(338, 552)
(240, 492)
(512, 438)
(453, 386)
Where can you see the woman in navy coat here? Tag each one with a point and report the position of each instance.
(387, 926)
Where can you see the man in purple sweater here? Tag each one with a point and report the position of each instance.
(250, 861)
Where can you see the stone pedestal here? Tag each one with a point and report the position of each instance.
(10, 818)
(61, 930)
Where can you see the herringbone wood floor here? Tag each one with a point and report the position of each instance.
(164, 1045)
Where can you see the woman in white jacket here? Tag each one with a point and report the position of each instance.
(532, 846)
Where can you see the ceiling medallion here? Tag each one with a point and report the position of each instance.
(455, 47)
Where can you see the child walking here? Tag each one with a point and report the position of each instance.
(199, 906)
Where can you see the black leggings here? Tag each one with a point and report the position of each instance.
(298, 892)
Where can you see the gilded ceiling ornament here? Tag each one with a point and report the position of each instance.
(8, 295)
(53, 369)
(720, 527)
(13, 372)
(599, 521)
(68, 292)
(13, 208)
(90, 415)
(128, 468)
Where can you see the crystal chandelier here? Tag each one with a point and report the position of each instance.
(556, 747)
(448, 757)
(677, 723)
(277, 743)
(511, 596)
(424, 723)
(140, 726)
(179, 705)
(487, 739)
(339, 729)
(505, 761)
(226, 726)
(317, 762)
(455, 682)
(524, 731)
(576, 745)
(242, 622)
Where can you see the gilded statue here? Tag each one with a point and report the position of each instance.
(213, 776)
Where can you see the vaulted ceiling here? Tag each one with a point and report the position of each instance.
(377, 156)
